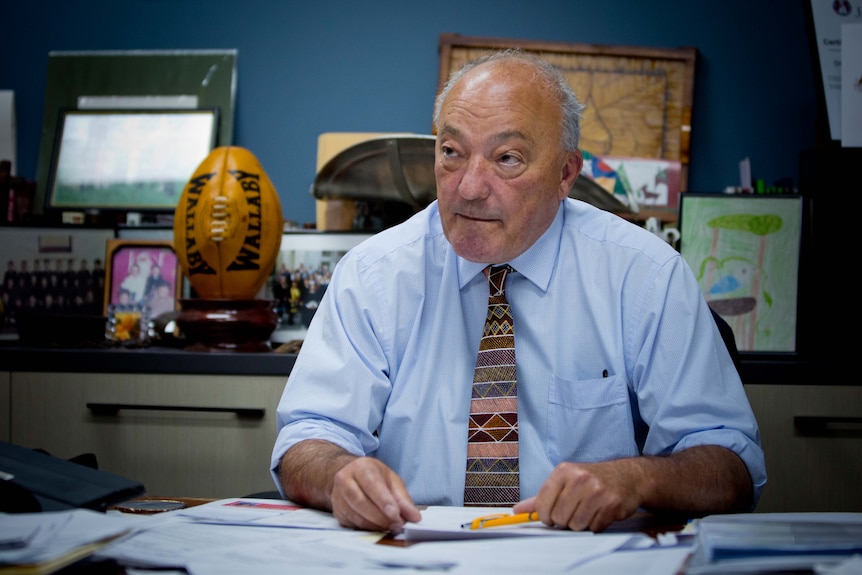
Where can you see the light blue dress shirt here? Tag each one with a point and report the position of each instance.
(617, 355)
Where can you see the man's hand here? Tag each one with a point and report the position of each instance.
(696, 481)
(361, 492)
(366, 494)
(581, 496)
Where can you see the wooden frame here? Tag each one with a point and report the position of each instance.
(121, 257)
(639, 100)
(745, 252)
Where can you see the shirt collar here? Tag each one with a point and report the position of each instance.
(536, 264)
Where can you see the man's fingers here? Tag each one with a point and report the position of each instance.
(368, 495)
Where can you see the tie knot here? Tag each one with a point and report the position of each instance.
(497, 279)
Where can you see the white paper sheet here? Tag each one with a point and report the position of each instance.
(7, 128)
(440, 523)
(261, 512)
(54, 534)
(851, 85)
(828, 17)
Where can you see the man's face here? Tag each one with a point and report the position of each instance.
(500, 171)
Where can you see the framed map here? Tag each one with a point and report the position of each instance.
(638, 100)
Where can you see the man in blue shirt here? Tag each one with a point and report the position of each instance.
(627, 396)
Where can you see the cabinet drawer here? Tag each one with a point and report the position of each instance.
(180, 435)
(812, 439)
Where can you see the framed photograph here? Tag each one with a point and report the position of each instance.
(127, 160)
(143, 277)
(302, 272)
(51, 271)
(745, 252)
(640, 98)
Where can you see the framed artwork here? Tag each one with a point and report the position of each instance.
(51, 271)
(143, 277)
(745, 252)
(127, 160)
(636, 182)
(638, 99)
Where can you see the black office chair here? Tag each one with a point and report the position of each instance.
(728, 337)
(274, 494)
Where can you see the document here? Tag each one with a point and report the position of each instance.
(851, 85)
(270, 536)
(46, 541)
(441, 523)
(829, 17)
(7, 128)
(260, 513)
(754, 542)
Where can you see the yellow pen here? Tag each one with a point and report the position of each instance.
(500, 519)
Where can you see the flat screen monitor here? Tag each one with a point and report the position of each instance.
(127, 160)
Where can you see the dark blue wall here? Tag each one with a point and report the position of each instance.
(313, 66)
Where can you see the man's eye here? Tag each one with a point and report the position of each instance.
(509, 159)
(447, 151)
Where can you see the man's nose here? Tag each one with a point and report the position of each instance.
(475, 180)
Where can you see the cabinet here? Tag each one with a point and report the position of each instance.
(812, 439)
(214, 434)
(179, 435)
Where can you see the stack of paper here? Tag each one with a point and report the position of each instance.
(763, 542)
(45, 542)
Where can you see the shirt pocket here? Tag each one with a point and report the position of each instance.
(589, 420)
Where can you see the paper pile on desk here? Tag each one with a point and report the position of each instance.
(270, 536)
(757, 542)
(49, 540)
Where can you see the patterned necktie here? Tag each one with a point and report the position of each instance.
(492, 447)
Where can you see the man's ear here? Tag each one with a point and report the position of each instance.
(572, 166)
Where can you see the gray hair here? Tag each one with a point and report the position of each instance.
(547, 74)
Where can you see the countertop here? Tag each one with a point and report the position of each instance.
(754, 369)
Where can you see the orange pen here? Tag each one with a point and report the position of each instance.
(500, 519)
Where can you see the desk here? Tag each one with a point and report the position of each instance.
(350, 551)
(264, 536)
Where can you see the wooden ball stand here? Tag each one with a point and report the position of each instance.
(227, 325)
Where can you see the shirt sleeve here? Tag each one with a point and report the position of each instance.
(338, 386)
(689, 391)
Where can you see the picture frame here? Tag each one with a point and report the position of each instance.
(154, 232)
(636, 182)
(305, 257)
(625, 87)
(142, 78)
(127, 159)
(142, 277)
(745, 251)
(49, 272)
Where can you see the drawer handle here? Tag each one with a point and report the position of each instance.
(107, 409)
(821, 426)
